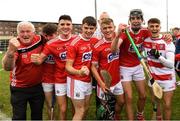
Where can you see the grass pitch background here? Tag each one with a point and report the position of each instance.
(5, 105)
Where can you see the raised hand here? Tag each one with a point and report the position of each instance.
(121, 28)
(13, 44)
(167, 38)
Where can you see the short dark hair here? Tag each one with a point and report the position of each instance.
(65, 17)
(49, 29)
(89, 20)
(176, 28)
(154, 20)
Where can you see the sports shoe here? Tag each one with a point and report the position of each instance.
(140, 116)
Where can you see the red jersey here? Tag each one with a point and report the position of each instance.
(25, 73)
(80, 51)
(48, 70)
(177, 57)
(128, 57)
(58, 48)
(106, 59)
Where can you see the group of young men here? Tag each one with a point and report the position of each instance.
(66, 63)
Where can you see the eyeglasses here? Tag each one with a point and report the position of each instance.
(137, 18)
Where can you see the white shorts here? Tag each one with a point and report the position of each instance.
(116, 90)
(77, 89)
(47, 87)
(166, 85)
(60, 89)
(135, 73)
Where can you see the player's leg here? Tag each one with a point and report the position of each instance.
(168, 89)
(79, 105)
(126, 80)
(139, 79)
(140, 86)
(167, 100)
(87, 104)
(79, 92)
(128, 99)
(60, 90)
(118, 91)
(48, 92)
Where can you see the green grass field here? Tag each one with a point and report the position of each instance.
(5, 105)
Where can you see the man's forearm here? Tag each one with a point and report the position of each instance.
(8, 61)
(114, 44)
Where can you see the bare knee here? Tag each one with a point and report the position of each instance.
(142, 96)
(167, 106)
(128, 98)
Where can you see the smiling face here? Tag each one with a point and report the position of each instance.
(88, 31)
(65, 27)
(135, 22)
(154, 27)
(136, 19)
(88, 27)
(108, 28)
(25, 32)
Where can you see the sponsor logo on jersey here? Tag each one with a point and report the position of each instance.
(50, 59)
(112, 56)
(62, 56)
(139, 47)
(86, 56)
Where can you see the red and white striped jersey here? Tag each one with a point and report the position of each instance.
(160, 70)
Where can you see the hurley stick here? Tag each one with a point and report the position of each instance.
(107, 80)
(157, 90)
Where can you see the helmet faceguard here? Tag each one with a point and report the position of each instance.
(136, 12)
